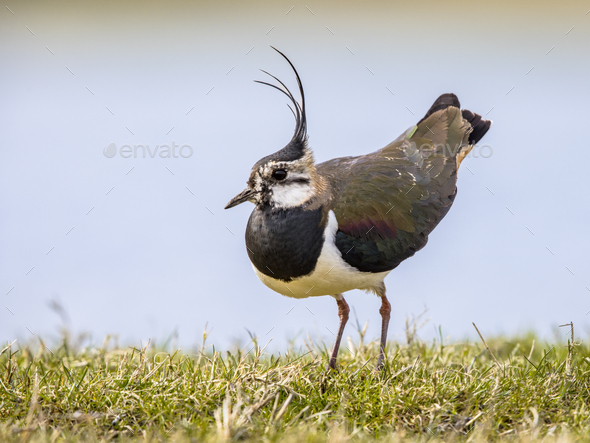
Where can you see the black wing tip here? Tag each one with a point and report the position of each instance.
(478, 123)
(442, 103)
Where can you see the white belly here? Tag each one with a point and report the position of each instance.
(332, 275)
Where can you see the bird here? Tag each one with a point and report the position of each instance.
(344, 224)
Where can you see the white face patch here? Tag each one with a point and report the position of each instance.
(290, 194)
(295, 189)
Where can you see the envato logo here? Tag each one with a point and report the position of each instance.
(445, 150)
(162, 151)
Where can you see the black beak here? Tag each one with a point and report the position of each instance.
(243, 196)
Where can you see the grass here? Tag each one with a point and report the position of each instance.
(517, 389)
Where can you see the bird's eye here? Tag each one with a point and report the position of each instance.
(279, 174)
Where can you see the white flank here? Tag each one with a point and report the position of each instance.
(332, 274)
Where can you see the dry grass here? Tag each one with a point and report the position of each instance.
(426, 392)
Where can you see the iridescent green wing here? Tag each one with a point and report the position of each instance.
(387, 202)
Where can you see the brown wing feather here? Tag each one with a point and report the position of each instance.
(387, 202)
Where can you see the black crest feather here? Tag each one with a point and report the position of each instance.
(298, 144)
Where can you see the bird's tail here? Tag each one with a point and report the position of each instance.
(480, 127)
(478, 123)
(474, 123)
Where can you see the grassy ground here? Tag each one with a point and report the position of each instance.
(517, 390)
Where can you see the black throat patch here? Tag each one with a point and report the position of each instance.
(285, 243)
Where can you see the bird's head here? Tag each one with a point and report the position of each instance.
(288, 177)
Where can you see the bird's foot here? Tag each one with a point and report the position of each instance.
(380, 361)
(332, 365)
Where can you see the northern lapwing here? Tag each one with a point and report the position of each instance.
(328, 228)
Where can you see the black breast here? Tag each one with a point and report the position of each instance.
(285, 243)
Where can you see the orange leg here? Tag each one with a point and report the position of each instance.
(385, 312)
(343, 311)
